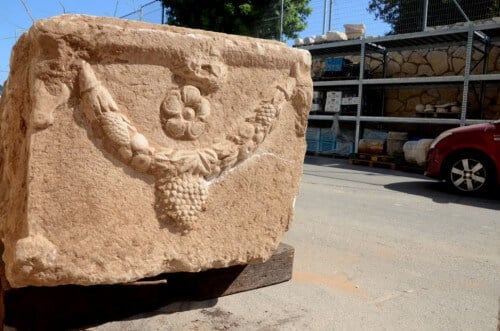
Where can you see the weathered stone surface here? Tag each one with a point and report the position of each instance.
(449, 95)
(433, 92)
(425, 70)
(493, 112)
(445, 60)
(438, 61)
(393, 106)
(497, 64)
(396, 56)
(418, 57)
(409, 69)
(406, 93)
(406, 55)
(458, 52)
(428, 98)
(493, 59)
(412, 103)
(477, 56)
(393, 68)
(492, 93)
(458, 65)
(130, 149)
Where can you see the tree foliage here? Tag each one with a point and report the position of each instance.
(407, 15)
(259, 18)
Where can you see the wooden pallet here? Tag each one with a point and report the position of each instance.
(376, 164)
(384, 161)
(372, 160)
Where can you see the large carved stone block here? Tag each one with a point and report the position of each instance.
(130, 149)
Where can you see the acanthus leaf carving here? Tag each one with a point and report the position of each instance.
(199, 162)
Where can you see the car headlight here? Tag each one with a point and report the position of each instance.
(439, 138)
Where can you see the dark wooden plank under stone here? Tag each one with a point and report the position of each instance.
(71, 306)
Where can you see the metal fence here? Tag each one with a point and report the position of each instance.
(419, 15)
(403, 16)
(379, 16)
(270, 26)
(152, 12)
(454, 11)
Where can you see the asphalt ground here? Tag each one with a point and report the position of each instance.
(375, 249)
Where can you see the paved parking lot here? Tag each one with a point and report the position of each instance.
(375, 250)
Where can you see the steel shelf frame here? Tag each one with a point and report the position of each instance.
(384, 119)
(473, 37)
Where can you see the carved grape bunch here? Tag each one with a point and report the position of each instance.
(265, 115)
(182, 198)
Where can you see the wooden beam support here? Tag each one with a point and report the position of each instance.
(71, 306)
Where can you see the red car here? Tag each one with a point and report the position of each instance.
(467, 158)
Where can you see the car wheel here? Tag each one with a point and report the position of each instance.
(469, 173)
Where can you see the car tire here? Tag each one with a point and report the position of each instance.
(469, 173)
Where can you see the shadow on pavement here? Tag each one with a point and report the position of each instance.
(422, 186)
(439, 193)
(343, 164)
(76, 307)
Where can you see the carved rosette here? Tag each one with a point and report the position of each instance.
(184, 113)
(181, 175)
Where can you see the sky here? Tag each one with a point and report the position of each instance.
(17, 19)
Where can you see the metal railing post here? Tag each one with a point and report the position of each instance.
(467, 69)
(281, 20)
(324, 17)
(426, 9)
(330, 16)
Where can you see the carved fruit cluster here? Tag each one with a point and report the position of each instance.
(265, 115)
(183, 197)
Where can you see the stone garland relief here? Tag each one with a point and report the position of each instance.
(182, 176)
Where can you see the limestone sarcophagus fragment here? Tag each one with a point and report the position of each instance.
(130, 149)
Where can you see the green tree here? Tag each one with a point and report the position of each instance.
(407, 15)
(258, 18)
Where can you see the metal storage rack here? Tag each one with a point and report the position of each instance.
(473, 37)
